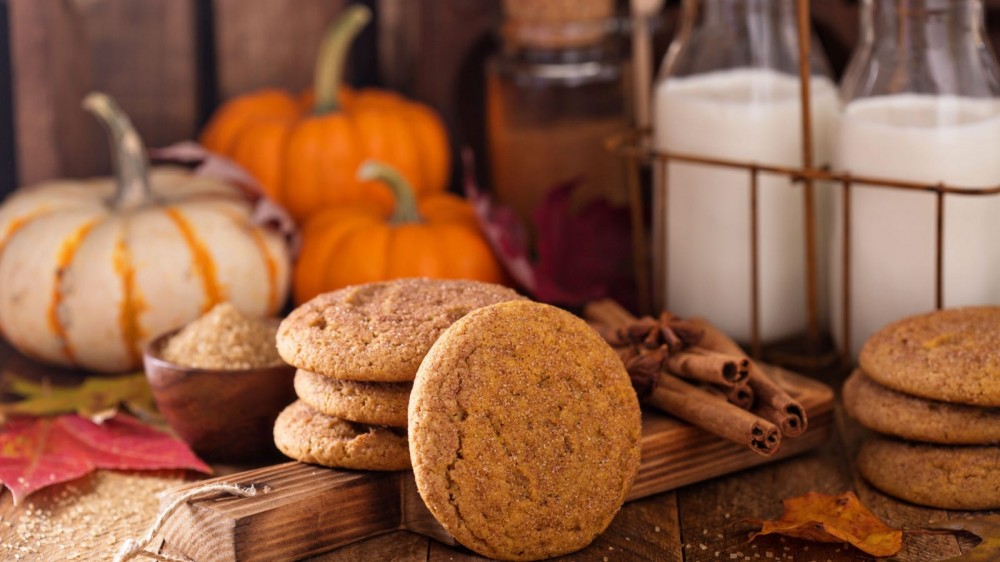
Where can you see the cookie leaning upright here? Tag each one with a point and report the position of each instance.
(949, 355)
(524, 431)
(379, 331)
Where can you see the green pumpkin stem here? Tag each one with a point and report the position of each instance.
(406, 202)
(332, 56)
(128, 153)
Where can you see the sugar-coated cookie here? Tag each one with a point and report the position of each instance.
(373, 403)
(309, 436)
(949, 355)
(948, 477)
(893, 413)
(524, 431)
(379, 331)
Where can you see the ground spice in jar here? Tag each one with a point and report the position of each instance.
(224, 338)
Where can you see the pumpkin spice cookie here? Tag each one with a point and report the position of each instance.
(309, 436)
(524, 431)
(933, 475)
(949, 355)
(374, 403)
(379, 331)
(893, 413)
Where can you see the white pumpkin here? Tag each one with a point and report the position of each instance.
(91, 270)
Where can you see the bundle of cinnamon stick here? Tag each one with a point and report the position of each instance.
(694, 371)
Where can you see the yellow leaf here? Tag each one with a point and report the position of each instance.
(824, 518)
(97, 397)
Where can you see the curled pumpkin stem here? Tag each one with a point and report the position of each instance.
(406, 202)
(332, 56)
(128, 152)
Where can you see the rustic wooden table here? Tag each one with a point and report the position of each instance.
(88, 519)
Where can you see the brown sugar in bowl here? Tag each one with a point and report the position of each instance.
(224, 415)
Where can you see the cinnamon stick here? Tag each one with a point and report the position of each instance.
(709, 366)
(609, 313)
(773, 402)
(714, 415)
(741, 395)
(647, 346)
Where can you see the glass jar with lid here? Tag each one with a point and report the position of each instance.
(554, 93)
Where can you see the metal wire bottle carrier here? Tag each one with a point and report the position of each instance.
(632, 146)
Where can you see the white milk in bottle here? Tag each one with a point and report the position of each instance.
(923, 106)
(926, 139)
(749, 114)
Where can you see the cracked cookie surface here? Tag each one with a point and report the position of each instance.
(374, 403)
(379, 331)
(524, 431)
(309, 436)
(933, 475)
(886, 411)
(950, 355)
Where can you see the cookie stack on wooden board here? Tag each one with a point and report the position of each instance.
(930, 386)
(357, 351)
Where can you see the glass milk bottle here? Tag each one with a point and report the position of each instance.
(729, 88)
(924, 108)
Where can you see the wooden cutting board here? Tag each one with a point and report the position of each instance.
(309, 509)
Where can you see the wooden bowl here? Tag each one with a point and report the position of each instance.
(224, 415)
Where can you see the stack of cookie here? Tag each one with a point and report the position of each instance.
(930, 386)
(357, 351)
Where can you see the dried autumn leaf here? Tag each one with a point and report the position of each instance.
(824, 518)
(583, 254)
(579, 255)
(209, 164)
(98, 398)
(986, 528)
(39, 452)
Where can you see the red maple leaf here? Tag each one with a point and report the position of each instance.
(38, 452)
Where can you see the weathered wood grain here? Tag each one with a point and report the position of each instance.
(268, 43)
(712, 513)
(311, 509)
(435, 52)
(398, 546)
(143, 53)
(307, 511)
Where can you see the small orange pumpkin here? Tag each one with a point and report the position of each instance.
(437, 236)
(304, 149)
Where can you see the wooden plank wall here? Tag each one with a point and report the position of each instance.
(143, 53)
(266, 43)
(170, 62)
(151, 56)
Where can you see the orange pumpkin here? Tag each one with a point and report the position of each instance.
(437, 236)
(304, 149)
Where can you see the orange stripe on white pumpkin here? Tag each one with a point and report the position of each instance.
(132, 303)
(201, 258)
(63, 259)
(12, 228)
(18, 224)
